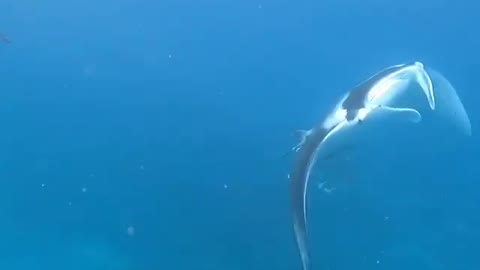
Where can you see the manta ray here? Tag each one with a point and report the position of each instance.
(366, 101)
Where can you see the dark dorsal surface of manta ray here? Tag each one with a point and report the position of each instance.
(366, 100)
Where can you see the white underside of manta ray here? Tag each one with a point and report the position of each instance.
(371, 99)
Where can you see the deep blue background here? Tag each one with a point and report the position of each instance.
(154, 106)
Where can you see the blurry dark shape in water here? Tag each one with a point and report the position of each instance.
(4, 39)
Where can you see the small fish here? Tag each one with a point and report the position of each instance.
(321, 185)
(328, 190)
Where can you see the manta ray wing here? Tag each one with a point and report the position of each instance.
(450, 107)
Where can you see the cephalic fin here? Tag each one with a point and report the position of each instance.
(408, 114)
(425, 82)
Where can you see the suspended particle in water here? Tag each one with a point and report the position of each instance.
(225, 186)
(130, 230)
(169, 56)
(84, 189)
(142, 167)
(43, 185)
(88, 70)
(4, 39)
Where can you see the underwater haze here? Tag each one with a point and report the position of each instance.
(140, 135)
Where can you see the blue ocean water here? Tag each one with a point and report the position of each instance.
(150, 135)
